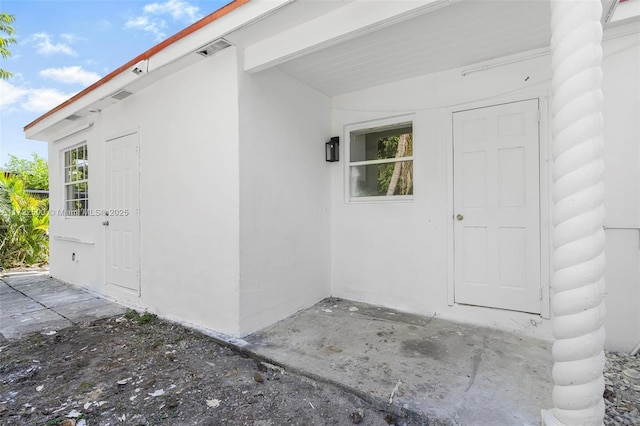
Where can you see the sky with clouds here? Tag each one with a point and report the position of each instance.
(66, 45)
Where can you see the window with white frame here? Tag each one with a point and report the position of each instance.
(76, 181)
(381, 162)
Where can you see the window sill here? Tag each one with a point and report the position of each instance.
(75, 217)
(72, 240)
(381, 199)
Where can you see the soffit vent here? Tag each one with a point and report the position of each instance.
(73, 117)
(213, 47)
(121, 95)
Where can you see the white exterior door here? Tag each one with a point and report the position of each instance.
(497, 206)
(121, 220)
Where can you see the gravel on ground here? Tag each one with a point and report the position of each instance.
(622, 389)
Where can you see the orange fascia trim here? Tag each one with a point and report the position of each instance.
(146, 55)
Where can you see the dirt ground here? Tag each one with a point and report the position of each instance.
(140, 370)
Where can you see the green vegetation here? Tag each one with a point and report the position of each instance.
(6, 38)
(9, 363)
(24, 222)
(145, 318)
(395, 178)
(34, 173)
(86, 387)
(131, 314)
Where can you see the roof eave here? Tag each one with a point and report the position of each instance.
(119, 77)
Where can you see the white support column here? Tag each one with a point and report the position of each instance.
(578, 217)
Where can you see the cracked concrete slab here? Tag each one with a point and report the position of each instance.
(12, 304)
(447, 371)
(90, 310)
(5, 289)
(42, 320)
(33, 301)
(38, 287)
(23, 280)
(63, 297)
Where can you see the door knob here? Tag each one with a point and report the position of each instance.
(459, 217)
(105, 223)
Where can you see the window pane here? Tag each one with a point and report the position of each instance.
(83, 207)
(382, 179)
(81, 190)
(70, 192)
(381, 144)
(76, 173)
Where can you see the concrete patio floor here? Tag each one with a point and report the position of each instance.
(33, 301)
(442, 371)
(445, 371)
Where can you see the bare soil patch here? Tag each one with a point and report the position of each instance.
(140, 370)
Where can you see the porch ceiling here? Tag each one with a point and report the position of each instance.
(457, 35)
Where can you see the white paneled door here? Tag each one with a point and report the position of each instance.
(121, 216)
(497, 206)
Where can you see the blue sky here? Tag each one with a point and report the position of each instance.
(66, 45)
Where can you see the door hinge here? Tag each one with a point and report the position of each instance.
(539, 116)
(540, 292)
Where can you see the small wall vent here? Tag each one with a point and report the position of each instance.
(73, 117)
(121, 95)
(213, 47)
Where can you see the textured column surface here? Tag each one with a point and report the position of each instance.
(578, 217)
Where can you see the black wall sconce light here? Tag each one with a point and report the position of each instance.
(332, 150)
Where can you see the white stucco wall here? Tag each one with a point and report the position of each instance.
(189, 255)
(398, 254)
(621, 88)
(284, 198)
(79, 262)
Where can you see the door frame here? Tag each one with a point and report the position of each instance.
(545, 192)
(119, 289)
